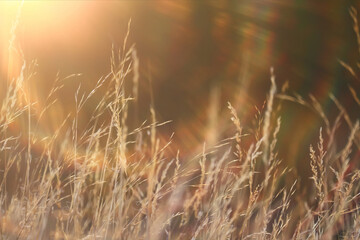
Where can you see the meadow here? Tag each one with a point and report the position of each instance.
(97, 175)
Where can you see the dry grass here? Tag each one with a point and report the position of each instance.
(110, 181)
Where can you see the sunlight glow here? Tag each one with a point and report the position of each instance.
(41, 22)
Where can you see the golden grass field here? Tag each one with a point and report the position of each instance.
(94, 172)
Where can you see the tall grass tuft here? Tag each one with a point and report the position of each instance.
(107, 180)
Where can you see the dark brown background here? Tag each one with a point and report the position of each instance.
(188, 48)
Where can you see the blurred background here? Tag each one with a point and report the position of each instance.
(195, 56)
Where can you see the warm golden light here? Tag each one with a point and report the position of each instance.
(43, 23)
(220, 119)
